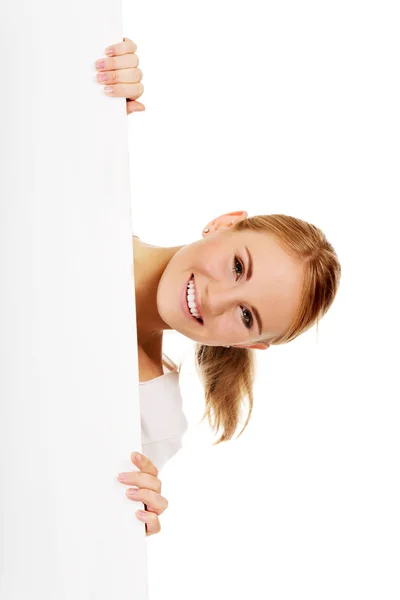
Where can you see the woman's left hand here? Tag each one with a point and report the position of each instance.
(120, 72)
(149, 492)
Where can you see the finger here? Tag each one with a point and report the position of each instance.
(121, 48)
(151, 520)
(150, 509)
(142, 480)
(125, 90)
(143, 462)
(133, 106)
(127, 61)
(122, 76)
(153, 500)
(145, 478)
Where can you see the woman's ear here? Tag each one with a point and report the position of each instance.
(258, 346)
(225, 221)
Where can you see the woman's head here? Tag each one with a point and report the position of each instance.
(256, 281)
(295, 277)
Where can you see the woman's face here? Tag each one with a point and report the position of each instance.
(228, 299)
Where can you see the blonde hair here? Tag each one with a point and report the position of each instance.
(228, 373)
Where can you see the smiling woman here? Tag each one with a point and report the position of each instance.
(247, 284)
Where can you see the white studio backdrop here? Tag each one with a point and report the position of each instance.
(69, 406)
(281, 107)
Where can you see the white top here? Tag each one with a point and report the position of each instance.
(162, 418)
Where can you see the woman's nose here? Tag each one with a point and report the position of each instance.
(219, 299)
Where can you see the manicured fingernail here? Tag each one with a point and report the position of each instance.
(141, 514)
(132, 493)
(138, 456)
(109, 51)
(100, 64)
(108, 89)
(123, 477)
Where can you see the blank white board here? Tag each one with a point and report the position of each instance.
(69, 410)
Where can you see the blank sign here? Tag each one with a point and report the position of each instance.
(69, 409)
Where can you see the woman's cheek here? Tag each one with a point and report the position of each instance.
(227, 326)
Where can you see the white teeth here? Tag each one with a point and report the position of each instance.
(191, 300)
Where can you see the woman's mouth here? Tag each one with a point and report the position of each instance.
(189, 303)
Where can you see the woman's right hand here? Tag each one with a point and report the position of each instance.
(148, 492)
(120, 72)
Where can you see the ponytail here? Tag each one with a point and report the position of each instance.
(227, 375)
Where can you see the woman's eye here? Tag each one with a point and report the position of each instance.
(248, 321)
(235, 263)
(246, 318)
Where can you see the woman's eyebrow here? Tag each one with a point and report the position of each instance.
(248, 277)
(250, 267)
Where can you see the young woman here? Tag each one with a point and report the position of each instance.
(247, 283)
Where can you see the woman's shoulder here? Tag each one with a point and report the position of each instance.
(161, 405)
(162, 384)
(151, 368)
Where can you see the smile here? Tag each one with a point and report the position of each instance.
(190, 305)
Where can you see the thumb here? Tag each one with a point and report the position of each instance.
(133, 106)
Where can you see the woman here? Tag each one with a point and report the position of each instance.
(246, 284)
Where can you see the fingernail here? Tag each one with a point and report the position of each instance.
(132, 493)
(141, 514)
(109, 51)
(123, 477)
(108, 89)
(138, 456)
(100, 64)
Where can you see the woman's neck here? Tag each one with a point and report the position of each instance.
(149, 265)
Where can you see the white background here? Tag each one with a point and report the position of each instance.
(283, 107)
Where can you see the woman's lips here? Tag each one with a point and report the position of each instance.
(184, 304)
